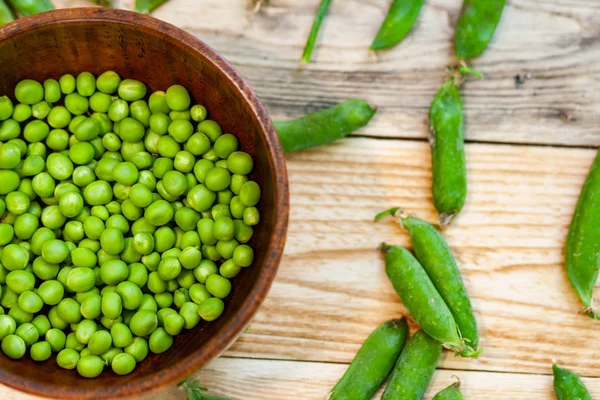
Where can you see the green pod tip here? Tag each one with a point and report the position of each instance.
(385, 247)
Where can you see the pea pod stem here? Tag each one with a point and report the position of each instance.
(30, 7)
(324, 126)
(583, 240)
(314, 30)
(568, 386)
(436, 257)
(6, 14)
(398, 22)
(373, 362)
(147, 6)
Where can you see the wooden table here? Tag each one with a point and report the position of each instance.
(532, 127)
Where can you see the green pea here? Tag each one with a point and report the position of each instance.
(164, 239)
(237, 181)
(201, 198)
(160, 341)
(6, 234)
(108, 82)
(131, 90)
(168, 146)
(51, 91)
(88, 129)
(189, 312)
(17, 202)
(26, 225)
(162, 166)
(76, 104)
(198, 113)
(143, 243)
(131, 211)
(204, 270)
(143, 323)
(169, 268)
(251, 216)
(138, 274)
(9, 129)
(85, 330)
(14, 347)
(250, 193)
(198, 293)
(211, 129)
(155, 283)
(98, 193)
(229, 269)
(159, 123)
(227, 144)
(57, 323)
(190, 258)
(190, 239)
(21, 113)
(163, 300)
(51, 292)
(173, 324)
(181, 130)
(86, 84)
(10, 156)
(28, 333)
(112, 241)
(198, 144)
(138, 349)
(68, 310)
(90, 366)
(6, 108)
(45, 270)
(9, 298)
(112, 305)
(159, 213)
(10, 181)
(30, 302)
(100, 342)
(67, 359)
(131, 295)
(81, 279)
(32, 166)
(205, 229)
(67, 84)
(151, 261)
(8, 326)
(211, 309)
(175, 183)
(236, 207)
(29, 91)
(130, 254)
(113, 272)
(223, 229)
(42, 324)
(131, 130)
(123, 364)
(93, 227)
(110, 355)
(121, 335)
(59, 117)
(40, 110)
(119, 222)
(218, 286)
(240, 163)
(118, 110)
(141, 112)
(220, 210)
(20, 281)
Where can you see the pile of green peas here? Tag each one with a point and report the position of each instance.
(123, 218)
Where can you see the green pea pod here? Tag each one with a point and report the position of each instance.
(437, 259)
(450, 393)
(446, 138)
(583, 240)
(6, 14)
(414, 368)
(373, 362)
(30, 7)
(314, 30)
(422, 299)
(325, 126)
(147, 6)
(476, 26)
(398, 22)
(568, 386)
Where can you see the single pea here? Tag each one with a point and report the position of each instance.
(68, 310)
(52, 92)
(8, 326)
(118, 110)
(204, 270)
(114, 207)
(198, 113)
(100, 102)
(81, 279)
(42, 324)
(59, 117)
(190, 258)
(163, 300)
(30, 302)
(113, 272)
(56, 338)
(159, 213)
(19, 315)
(210, 252)
(130, 254)
(20, 281)
(201, 198)
(225, 145)
(155, 283)
(159, 123)
(236, 207)
(121, 192)
(160, 341)
(112, 305)
(131, 295)
(6, 234)
(59, 166)
(175, 183)
(121, 335)
(164, 239)
(158, 103)
(21, 113)
(10, 181)
(143, 323)
(223, 229)
(67, 358)
(98, 193)
(190, 239)
(189, 312)
(224, 197)
(251, 216)
(91, 244)
(67, 84)
(142, 160)
(10, 155)
(173, 324)
(138, 349)
(41, 110)
(82, 257)
(88, 129)
(168, 268)
(178, 98)
(85, 330)
(143, 243)
(250, 193)
(131, 90)
(138, 274)
(108, 82)
(9, 299)
(93, 227)
(162, 166)
(211, 129)
(168, 146)
(173, 252)
(86, 84)
(10, 129)
(211, 309)
(131, 211)
(73, 231)
(229, 269)
(51, 292)
(131, 130)
(141, 112)
(56, 321)
(151, 142)
(218, 286)
(13, 347)
(151, 261)
(123, 364)
(220, 210)
(112, 241)
(81, 153)
(142, 225)
(205, 229)
(36, 131)
(6, 108)
(119, 222)
(29, 91)
(201, 168)
(104, 170)
(198, 144)
(76, 104)
(240, 163)
(140, 195)
(100, 342)
(180, 115)
(90, 366)
(187, 218)
(237, 181)
(26, 224)
(184, 161)
(17, 202)
(243, 232)
(181, 130)
(198, 293)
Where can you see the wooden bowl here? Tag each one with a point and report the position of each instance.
(159, 54)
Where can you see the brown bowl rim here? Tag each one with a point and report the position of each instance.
(233, 328)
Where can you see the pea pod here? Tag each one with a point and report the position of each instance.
(446, 138)
(6, 14)
(450, 393)
(373, 362)
(314, 30)
(414, 368)
(476, 26)
(568, 386)
(147, 6)
(325, 126)
(30, 7)
(437, 259)
(422, 299)
(583, 240)
(398, 22)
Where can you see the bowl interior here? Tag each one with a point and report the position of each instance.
(140, 47)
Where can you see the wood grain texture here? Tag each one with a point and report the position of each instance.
(243, 379)
(553, 46)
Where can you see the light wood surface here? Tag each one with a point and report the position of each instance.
(331, 290)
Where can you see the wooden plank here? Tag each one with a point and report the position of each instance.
(283, 380)
(552, 45)
(331, 290)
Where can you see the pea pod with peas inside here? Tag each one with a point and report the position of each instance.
(421, 298)
(437, 259)
(398, 22)
(583, 240)
(324, 126)
(414, 368)
(476, 26)
(568, 386)
(373, 362)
